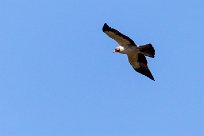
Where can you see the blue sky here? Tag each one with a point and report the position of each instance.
(58, 75)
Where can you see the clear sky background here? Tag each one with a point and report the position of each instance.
(59, 77)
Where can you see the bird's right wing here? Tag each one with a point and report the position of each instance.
(139, 63)
(123, 40)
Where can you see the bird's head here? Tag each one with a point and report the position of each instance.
(118, 49)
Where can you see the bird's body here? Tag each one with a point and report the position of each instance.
(136, 54)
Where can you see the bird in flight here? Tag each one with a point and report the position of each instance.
(136, 54)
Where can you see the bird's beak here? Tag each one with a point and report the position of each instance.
(114, 51)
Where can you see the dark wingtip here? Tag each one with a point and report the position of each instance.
(146, 73)
(151, 77)
(149, 74)
(105, 27)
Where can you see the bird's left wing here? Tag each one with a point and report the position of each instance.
(123, 40)
(139, 63)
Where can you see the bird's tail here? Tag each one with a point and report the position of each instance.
(147, 50)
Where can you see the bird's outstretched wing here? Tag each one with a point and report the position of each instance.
(123, 40)
(139, 63)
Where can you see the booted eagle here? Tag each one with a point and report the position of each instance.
(136, 54)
